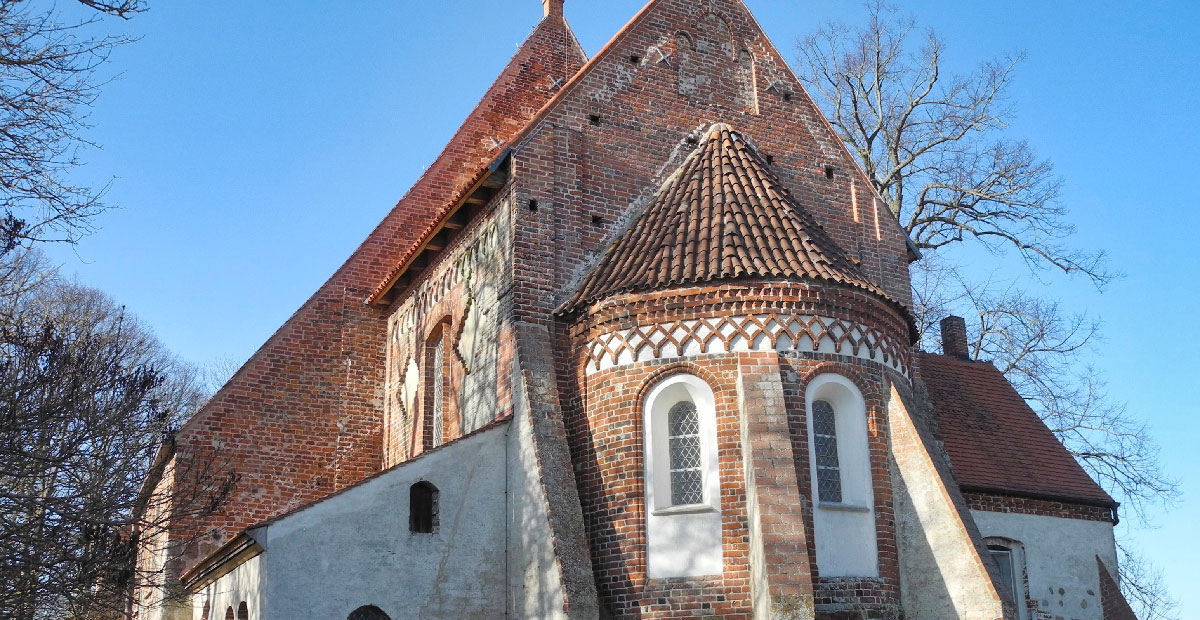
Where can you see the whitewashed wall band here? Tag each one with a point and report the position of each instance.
(763, 332)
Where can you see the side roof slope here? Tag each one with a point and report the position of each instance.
(996, 442)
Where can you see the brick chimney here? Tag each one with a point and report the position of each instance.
(954, 337)
(553, 8)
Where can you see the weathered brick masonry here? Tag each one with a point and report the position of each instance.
(303, 417)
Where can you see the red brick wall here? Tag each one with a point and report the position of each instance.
(993, 502)
(1115, 605)
(303, 417)
(605, 434)
(604, 423)
(882, 594)
(589, 179)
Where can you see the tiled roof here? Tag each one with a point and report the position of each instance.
(996, 442)
(722, 215)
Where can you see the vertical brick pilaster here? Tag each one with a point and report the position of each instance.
(781, 579)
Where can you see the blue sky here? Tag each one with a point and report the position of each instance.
(255, 144)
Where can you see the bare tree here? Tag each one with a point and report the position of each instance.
(1042, 349)
(932, 143)
(88, 398)
(49, 77)
(935, 148)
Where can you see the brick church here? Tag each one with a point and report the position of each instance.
(637, 345)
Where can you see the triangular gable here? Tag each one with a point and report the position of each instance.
(678, 66)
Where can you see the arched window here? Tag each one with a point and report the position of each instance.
(683, 486)
(437, 364)
(683, 439)
(229, 613)
(422, 508)
(243, 611)
(368, 612)
(829, 472)
(840, 468)
(205, 611)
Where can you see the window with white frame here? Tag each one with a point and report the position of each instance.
(840, 469)
(683, 487)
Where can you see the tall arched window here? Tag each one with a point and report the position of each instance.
(229, 613)
(243, 611)
(422, 508)
(683, 439)
(368, 612)
(436, 363)
(829, 471)
(205, 611)
(683, 486)
(840, 468)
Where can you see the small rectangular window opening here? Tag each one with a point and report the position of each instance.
(594, 119)
(422, 508)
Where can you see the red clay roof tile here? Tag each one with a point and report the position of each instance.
(996, 442)
(722, 215)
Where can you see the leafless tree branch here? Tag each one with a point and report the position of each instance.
(933, 143)
(88, 397)
(49, 78)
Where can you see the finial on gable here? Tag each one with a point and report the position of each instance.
(553, 8)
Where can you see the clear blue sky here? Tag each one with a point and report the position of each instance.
(255, 144)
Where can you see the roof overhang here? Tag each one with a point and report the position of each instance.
(221, 562)
(440, 235)
(1110, 504)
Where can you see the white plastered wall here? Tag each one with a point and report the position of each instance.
(1060, 559)
(356, 549)
(942, 574)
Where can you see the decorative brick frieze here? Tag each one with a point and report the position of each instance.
(765, 332)
(819, 320)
